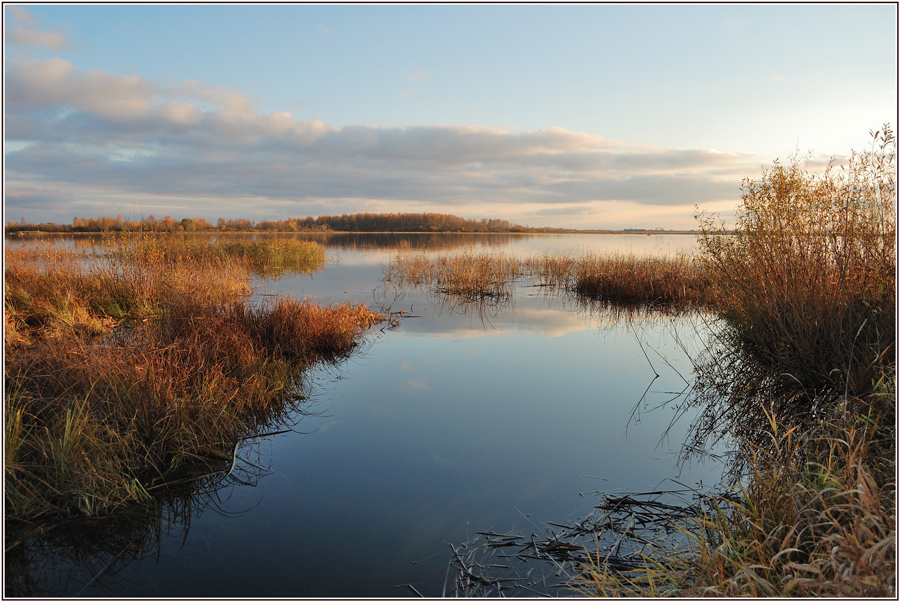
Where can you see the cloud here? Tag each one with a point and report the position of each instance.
(26, 36)
(22, 14)
(18, 34)
(418, 75)
(420, 385)
(56, 83)
(81, 139)
(566, 210)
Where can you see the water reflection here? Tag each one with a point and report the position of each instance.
(519, 243)
(90, 556)
(625, 528)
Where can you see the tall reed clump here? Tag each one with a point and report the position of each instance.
(469, 276)
(802, 377)
(680, 281)
(104, 407)
(807, 279)
(274, 257)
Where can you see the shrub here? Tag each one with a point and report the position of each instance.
(807, 278)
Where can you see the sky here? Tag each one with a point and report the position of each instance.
(588, 116)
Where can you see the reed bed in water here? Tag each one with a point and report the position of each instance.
(803, 378)
(631, 280)
(118, 375)
(815, 517)
(467, 275)
(626, 280)
(271, 257)
(811, 512)
(276, 256)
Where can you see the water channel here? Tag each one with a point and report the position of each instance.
(457, 420)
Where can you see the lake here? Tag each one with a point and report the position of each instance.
(458, 419)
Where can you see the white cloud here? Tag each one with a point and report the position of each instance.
(22, 14)
(18, 34)
(56, 82)
(208, 150)
(26, 36)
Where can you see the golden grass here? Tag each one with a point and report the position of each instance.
(680, 281)
(271, 257)
(626, 280)
(808, 279)
(815, 516)
(467, 275)
(123, 369)
(803, 379)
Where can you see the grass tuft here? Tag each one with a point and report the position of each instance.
(127, 368)
(814, 515)
(676, 282)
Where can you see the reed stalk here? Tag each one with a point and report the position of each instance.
(808, 278)
(814, 515)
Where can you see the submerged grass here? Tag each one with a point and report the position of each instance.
(124, 369)
(814, 515)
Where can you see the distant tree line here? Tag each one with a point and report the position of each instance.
(356, 222)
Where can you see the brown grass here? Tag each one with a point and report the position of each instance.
(803, 378)
(808, 279)
(816, 516)
(799, 377)
(117, 377)
(626, 280)
(468, 275)
(680, 281)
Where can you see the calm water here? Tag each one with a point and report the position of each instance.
(458, 420)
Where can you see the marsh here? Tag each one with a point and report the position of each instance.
(455, 417)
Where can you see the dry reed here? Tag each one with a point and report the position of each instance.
(627, 280)
(123, 369)
(808, 279)
(802, 378)
(815, 516)
(468, 275)
(679, 281)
